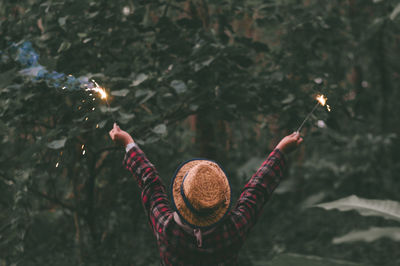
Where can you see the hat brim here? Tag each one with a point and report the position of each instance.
(184, 212)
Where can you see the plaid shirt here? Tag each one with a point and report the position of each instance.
(222, 245)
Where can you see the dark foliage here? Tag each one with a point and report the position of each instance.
(218, 79)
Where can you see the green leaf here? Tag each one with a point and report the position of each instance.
(387, 209)
(312, 200)
(62, 21)
(105, 109)
(395, 12)
(120, 93)
(289, 259)
(290, 98)
(369, 235)
(139, 79)
(160, 129)
(125, 117)
(57, 144)
(140, 93)
(206, 63)
(179, 86)
(64, 46)
(93, 14)
(151, 139)
(149, 94)
(82, 34)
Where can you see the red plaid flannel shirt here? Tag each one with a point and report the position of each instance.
(221, 246)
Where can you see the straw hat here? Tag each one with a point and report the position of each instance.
(201, 193)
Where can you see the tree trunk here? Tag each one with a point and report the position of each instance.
(205, 136)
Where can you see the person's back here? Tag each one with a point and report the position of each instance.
(217, 249)
(201, 228)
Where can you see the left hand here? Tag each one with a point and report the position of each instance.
(290, 143)
(119, 136)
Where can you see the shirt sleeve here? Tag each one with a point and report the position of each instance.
(154, 196)
(257, 191)
(130, 146)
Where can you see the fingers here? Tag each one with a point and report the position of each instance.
(295, 136)
(111, 133)
(299, 141)
(116, 127)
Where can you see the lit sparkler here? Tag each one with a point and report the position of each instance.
(28, 58)
(321, 100)
(99, 90)
(103, 95)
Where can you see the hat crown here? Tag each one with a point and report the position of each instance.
(205, 187)
(201, 193)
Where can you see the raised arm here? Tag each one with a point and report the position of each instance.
(154, 197)
(260, 187)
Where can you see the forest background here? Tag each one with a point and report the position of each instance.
(198, 78)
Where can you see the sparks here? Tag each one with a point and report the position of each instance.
(57, 164)
(83, 146)
(101, 91)
(83, 152)
(321, 99)
(98, 89)
(328, 108)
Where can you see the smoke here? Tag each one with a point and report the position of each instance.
(24, 54)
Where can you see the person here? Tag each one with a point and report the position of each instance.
(200, 227)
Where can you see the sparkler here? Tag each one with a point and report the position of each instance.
(28, 59)
(321, 100)
(103, 95)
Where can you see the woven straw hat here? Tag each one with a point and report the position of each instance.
(201, 193)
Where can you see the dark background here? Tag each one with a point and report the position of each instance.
(198, 78)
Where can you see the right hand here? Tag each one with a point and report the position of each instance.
(289, 143)
(119, 136)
